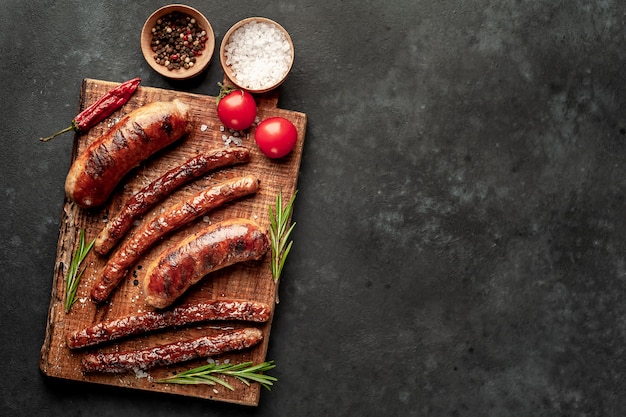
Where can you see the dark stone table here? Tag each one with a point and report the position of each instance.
(459, 248)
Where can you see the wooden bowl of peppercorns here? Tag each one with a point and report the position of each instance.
(177, 41)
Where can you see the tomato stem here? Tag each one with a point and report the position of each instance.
(224, 91)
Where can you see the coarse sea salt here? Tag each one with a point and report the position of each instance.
(140, 373)
(259, 55)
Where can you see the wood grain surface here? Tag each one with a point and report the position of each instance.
(250, 281)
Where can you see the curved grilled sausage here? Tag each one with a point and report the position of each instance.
(148, 321)
(217, 246)
(173, 218)
(169, 354)
(95, 173)
(160, 188)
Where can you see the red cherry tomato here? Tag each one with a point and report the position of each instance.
(276, 136)
(237, 110)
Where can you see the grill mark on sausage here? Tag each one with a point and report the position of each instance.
(120, 139)
(173, 218)
(162, 187)
(166, 125)
(134, 324)
(143, 359)
(100, 161)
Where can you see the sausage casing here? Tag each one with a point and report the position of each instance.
(95, 173)
(160, 188)
(217, 246)
(134, 324)
(118, 362)
(173, 218)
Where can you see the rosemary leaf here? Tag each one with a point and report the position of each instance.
(74, 273)
(205, 374)
(279, 233)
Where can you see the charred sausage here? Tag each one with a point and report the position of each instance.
(135, 324)
(95, 173)
(160, 188)
(217, 246)
(119, 362)
(173, 218)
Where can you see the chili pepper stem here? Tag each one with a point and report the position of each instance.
(67, 129)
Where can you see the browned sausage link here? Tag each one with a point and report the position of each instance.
(217, 246)
(95, 173)
(173, 218)
(160, 188)
(131, 325)
(172, 353)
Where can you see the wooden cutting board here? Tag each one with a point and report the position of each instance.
(250, 281)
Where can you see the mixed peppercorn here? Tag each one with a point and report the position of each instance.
(177, 40)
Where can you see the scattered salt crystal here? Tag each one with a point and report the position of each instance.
(203, 128)
(228, 139)
(222, 128)
(236, 140)
(215, 390)
(206, 219)
(139, 373)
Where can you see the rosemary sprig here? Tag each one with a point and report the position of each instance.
(74, 272)
(279, 233)
(205, 374)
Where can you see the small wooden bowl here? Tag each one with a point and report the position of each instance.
(228, 71)
(202, 61)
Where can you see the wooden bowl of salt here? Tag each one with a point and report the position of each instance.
(257, 54)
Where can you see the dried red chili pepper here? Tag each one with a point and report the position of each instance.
(101, 109)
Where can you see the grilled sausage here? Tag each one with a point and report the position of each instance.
(119, 362)
(95, 173)
(160, 188)
(173, 218)
(217, 246)
(131, 325)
